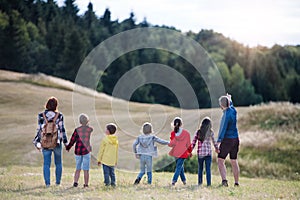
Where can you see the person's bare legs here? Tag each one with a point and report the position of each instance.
(222, 168)
(76, 175)
(235, 170)
(86, 177)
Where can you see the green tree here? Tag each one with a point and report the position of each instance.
(241, 89)
(15, 47)
(293, 85)
(129, 23)
(73, 55)
(51, 11)
(55, 42)
(4, 24)
(70, 10)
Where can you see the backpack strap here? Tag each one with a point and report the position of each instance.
(54, 119)
(45, 118)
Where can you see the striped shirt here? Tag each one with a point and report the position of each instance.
(204, 148)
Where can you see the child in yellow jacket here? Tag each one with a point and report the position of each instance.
(108, 154)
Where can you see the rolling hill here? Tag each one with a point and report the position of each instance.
(23, 96)
(269, 137)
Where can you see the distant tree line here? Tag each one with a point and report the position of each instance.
(39, 36)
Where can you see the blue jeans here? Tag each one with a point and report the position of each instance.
(146, 165)
(109, 175)
(179, 170)
(47, 153)
(207, 160)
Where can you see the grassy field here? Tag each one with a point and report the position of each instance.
(19, 182)
(269, 151)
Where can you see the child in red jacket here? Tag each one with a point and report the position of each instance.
(181, 149)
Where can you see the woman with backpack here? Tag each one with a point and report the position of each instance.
(50, 135)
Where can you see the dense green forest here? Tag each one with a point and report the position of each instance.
(39, 36)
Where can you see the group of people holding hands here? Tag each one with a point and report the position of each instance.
(144, 146)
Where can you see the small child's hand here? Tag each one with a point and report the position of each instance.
(137, 156)
(99, 163)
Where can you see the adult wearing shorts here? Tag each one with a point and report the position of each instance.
(228, 140)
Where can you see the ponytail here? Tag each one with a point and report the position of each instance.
(177, 124)
(176, 128)
(204, 128)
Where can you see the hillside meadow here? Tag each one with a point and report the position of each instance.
(269, 152)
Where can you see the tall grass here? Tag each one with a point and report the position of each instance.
(273, 150)
(273, 116)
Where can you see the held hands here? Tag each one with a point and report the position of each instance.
(217, 150)
(66, 147)
(137, 156)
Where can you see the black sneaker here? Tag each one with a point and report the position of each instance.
(236, 185)
(225, 183)
(75, 184)
(137, 181)
(85, 185)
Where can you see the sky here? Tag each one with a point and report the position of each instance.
(250, 22)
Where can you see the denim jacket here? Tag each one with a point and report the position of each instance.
(144, 144)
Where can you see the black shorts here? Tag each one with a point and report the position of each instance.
(229, 146)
